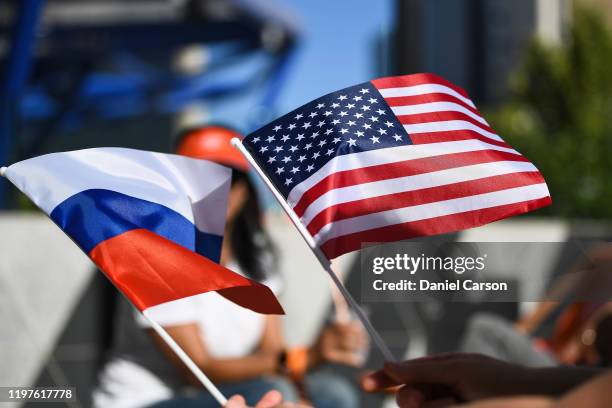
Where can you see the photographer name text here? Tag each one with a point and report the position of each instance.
(412, 265)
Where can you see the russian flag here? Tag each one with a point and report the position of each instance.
(152, 222)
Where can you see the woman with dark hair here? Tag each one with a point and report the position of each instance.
(241, 351)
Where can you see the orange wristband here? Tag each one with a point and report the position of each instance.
(297, 362)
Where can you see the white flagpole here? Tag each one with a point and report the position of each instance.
(199, 374)
(325, 263)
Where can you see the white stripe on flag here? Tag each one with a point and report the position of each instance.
(431, 210)
(389, 155)
(436, 107)
(449, 125)
(412, 183)
(184, 185)
(423, 90)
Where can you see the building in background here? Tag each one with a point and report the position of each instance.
(475, 43)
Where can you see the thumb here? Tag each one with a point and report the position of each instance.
(271, 399)
(237, 401)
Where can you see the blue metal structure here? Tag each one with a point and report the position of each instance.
(117, 69)
(16, 70)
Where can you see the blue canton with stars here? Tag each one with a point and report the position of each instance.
(296, 145)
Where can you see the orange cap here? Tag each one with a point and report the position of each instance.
(213, 143)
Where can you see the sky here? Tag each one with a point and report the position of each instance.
(337, 48)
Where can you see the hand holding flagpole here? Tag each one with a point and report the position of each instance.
(2, 171)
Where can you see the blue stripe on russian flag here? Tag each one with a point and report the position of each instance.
(93, 216)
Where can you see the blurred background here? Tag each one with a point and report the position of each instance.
(89, 73)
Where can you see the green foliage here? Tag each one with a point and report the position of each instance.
(560, 117)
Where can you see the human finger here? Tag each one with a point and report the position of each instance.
(421, 370)
(378, 381)
(237, 401)
(270, 400)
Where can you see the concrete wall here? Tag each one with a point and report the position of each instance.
(42, 275)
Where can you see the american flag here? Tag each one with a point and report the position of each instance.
(392, 159)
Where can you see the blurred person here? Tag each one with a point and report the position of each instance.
(572, 340)
(484, 382)
(241, 351)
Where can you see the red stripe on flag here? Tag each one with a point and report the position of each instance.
(151, 270)
(439, 225)
(416, 79)
(395, 101)
(422, 196)
(430, 117)
(399, 169)
(453, 136)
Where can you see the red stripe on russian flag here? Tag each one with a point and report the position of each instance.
(151, 270)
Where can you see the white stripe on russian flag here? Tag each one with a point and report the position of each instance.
(188, 186)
